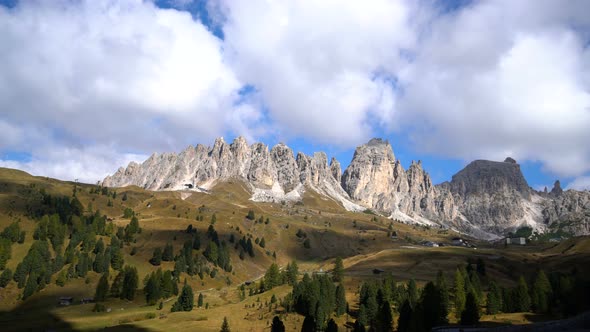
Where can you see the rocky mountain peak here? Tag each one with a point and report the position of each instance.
(370, 174)
(336, 170)
(483, 198)
(557, 188)
(485, 176)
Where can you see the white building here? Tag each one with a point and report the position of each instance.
(516, 240)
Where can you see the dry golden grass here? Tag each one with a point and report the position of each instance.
(333, 231)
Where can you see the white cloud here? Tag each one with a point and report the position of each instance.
(85, 164)
(488, 80)
(580, 183)
(124, 74)
(500, 79)
(321, 67)
(120, 73)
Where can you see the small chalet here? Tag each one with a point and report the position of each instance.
(321, 272)
(516, 240)
(457, 241)
(66, 300)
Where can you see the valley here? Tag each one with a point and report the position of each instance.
(372, 248)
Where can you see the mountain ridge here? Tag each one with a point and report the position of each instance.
(485, 199)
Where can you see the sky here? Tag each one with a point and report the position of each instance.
(88, 86)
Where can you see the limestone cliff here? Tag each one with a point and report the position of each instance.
(483, 199)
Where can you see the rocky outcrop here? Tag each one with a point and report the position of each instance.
(493, 195)
(377, 180)
(370, 178)
(484, 198)
(272, 175)
(488, 177)
(556, 191)
(568, 212)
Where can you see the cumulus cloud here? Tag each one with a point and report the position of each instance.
(580, 183)
(500, 79)
(486, 80)
(323, 68)
(87, 164)
(124, 74)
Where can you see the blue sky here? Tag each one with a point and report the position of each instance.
(106, 82)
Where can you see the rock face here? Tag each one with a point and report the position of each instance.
(569, 212)
(273, 175)
(494, 195)
(377, 180)
(485, 199)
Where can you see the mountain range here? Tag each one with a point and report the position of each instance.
(486, 199)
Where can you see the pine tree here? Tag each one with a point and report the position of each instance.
(117, 259)
(542, 293)
(412, 292)
(130, 283)
(186, 299)
(460, 296)
(340, 300)
(522, 297)
(320, 316)
(476, 286)
(494, 299)
(338, 272)
(332, 326)
(168, 253)
(225, 326)
(431, 308)
(156, 259)
(277, 325)
(445, 302)
(102, 289)
(470, 316)
(200, 300)
(405, 317)
(212, 252)
(292, 272)
(358, 327)
(385, 318)
(168, 285)
(31, 286)
(508, 301)
(153, 289)
(308, 324)
(251, 215)
(196, 242)
(250, 247)
(5, 277)
(272, 277)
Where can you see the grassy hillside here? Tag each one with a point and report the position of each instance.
(361, 239)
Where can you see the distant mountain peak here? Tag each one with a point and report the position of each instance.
(483, 199)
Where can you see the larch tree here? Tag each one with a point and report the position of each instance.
(460, 296)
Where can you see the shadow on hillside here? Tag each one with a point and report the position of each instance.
(36, 315)
(324, 244)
